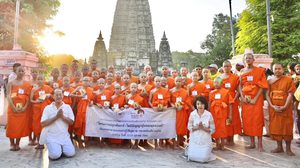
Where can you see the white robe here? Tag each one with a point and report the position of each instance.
(200, 144)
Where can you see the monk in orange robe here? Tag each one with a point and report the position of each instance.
(134, 100)
(33, 82)
(231, 82)
(102, 96)
(159, 100)
(180, 100)
(85, 95)
(279, 97)
(169, 80)
(194, 89)
(85, 70)
(117, 103)
(93, 65)
(67, 99)
(132, 79)
(118, 78)
(109, 83)
(150, 77)
(209, 84)
(184, 73)
(144, 90)
(54, 80)
(77, 80)
(125, 88)
(17, 112)
(220, 105)
(252, 83)
(40, 97)
(94, 82)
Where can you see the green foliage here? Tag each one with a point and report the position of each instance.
(218, 43)
(191, 58)
(33, 20)
(285, 28)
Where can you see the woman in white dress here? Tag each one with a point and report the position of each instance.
(201, 125)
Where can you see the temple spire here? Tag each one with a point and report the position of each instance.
(100, 38)
(164, 38)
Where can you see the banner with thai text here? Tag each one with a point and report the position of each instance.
(130, 123)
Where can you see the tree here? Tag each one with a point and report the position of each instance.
(218, 43)
(285, 28)
(55, 61)
(33, 20)
(190, 58)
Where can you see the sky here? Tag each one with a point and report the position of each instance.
(186, 23)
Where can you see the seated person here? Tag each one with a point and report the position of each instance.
(201, 126)
(55, 122)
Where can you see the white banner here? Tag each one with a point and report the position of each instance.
(128, 124)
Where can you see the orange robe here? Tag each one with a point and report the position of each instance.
(182, 115)
(231, 83)
(220, 99)
(120, 100)
(125, 90)
(195, 90)
(38, 108)
(208, 87)
(17, 122)
(147, 89)
(252, 115)
(80, 120)
(160, 96)
(170, 82)
(67, 99)
(281, 123)
(102, 97)
(152, 84)
(135, 99)
(134, 79)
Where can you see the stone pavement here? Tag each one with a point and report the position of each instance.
(235, 156)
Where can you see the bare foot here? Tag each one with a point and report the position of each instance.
(261, 150)
(216, 148)
(39, 147)
(135, 146)
(277, 150)
(290, 153)
(250, 147)
(17, 148)
(32, 143)
(12, 148)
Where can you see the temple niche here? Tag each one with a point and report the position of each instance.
(132, 41)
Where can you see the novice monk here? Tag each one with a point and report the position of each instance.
(134, 100)
(179, 100)
(18, 92)
(279, 97)
(184, 72)
(118, 78)
(67, 90)
(125, 88)
(159, 100)
(40, 98)
(85, 95)
(165, 73)
(252, 83)
(33, 82)
(209, 84)
(94, 82)
(144, 89)
(220, 103)
(102, 96)
(195, 88)
(54, 81)
(77, 79)
(231, 82)
(150, 78)
(109, 83)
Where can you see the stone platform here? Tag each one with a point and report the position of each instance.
(235, 156)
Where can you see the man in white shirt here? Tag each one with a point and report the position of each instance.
(55, 122)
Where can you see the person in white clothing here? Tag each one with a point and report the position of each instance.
(201, 125)
(55, 122)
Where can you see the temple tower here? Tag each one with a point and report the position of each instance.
(132, 40)
(100, 53)
(164, 53)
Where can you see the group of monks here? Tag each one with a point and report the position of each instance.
(235, 100)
